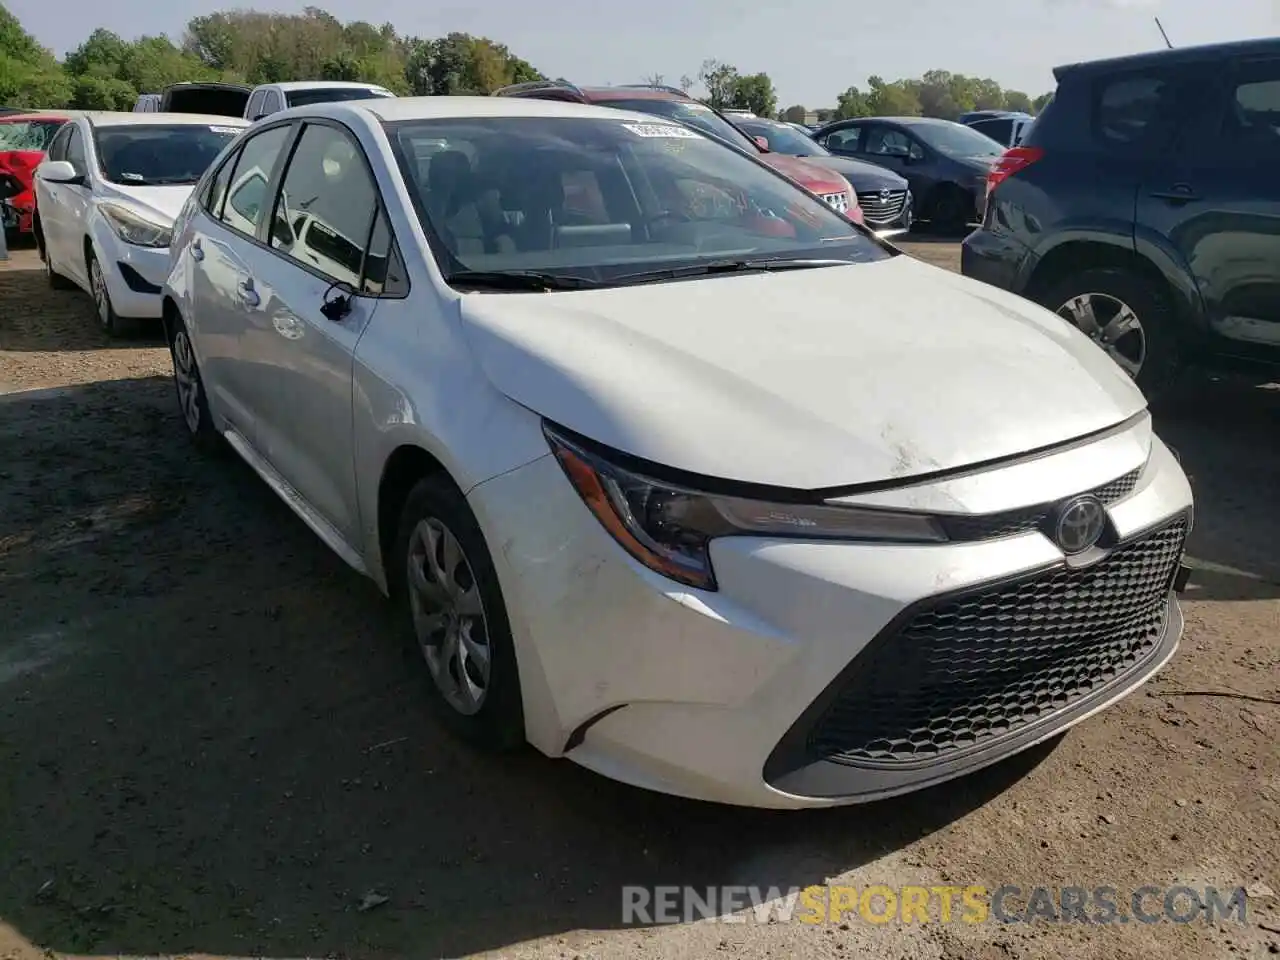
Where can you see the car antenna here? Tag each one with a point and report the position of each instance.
(1160, 26)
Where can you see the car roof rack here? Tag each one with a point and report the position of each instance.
(561, 84)
(666, 88)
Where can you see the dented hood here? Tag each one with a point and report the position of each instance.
(806, 379)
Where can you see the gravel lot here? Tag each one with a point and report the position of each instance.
(210, 747)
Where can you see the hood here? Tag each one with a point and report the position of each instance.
(803, 171)
(863, 176)
(809, 379)
(162, 204)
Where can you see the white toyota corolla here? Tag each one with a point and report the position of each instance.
(106, 196)
(671, 469)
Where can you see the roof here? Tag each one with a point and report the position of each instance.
(431, 108)
(108, 119)
(1201, 52)
(288, 85)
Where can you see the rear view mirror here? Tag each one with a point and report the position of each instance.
(58, 171)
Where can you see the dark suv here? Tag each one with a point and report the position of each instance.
(1144, 207)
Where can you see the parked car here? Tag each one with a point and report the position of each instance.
(270, 98)
(885, 197)
(706, 488)
(675, 104)
(1143, 207)
(206, 98)
(946, 163)
(147, 103)
(1007, 130)
(24, 137)
(106, 197)
(972, 115)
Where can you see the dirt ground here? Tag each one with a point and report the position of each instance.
(209, 746)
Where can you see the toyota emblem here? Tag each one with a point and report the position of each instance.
(1080, 524)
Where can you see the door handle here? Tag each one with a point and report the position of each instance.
(197, 251)
(247, 293)
(1178, 193)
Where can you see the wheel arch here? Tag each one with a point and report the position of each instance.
(407, 464)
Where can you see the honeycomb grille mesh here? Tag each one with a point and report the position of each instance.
(992, 526)
(978, 667)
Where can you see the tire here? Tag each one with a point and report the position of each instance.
(113, 325)
(193, 401)
(433, 512)
(951, 208)
(1155, 367)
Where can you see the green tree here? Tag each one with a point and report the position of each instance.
(898, 99)
(795, 114)
(461, 64)
(852, 103)
(102, 93)
(755, 92)
(29, 74)
(1017, 100)
(721, 81)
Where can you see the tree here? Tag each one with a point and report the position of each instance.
(463, 64)
(795, 114)
(1040, 102)
(102, 93)
(1017, 100)
(720, 79)
(852, 103)
(898, 99)
(755, 92)
(29, 74)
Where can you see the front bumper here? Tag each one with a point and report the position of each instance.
(716, 696)
(135, 275)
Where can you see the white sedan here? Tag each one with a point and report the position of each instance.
(106, 196)
(669, 468)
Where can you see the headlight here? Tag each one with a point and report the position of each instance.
(133, 228)
(669, 528)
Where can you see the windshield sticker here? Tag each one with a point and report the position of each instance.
(132, 176)
(231, 130)
(665, 130)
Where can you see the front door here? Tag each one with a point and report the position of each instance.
(312, 314)
(1218, 198)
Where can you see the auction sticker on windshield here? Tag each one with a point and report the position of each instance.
(661, 130)
(231, 130)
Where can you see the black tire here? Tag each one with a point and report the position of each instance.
(113, 325)
(498, 725)
(193, 409)
(951, 208)
(1149, 300)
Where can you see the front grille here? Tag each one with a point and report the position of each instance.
(1008, 523)
(975, 668)
(882, 206)
(838, 201)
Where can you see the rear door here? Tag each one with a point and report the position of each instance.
(222, 248)
(1217, 198)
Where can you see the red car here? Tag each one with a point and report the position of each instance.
(24, 137)
(677, 105)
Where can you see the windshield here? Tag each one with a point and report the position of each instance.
(784, 139)
(28, 134)
(302, 98)
(695, 115)
(957, 140)
(157, 155)
(599, 199)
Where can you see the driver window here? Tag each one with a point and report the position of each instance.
(325, 209)
(75, 152)
(58, 146)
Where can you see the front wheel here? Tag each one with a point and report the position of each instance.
(113, 325)
(1129, 316)
(453, 615)
(951, 208)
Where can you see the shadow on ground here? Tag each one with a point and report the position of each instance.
(211, 745)
(36, 318)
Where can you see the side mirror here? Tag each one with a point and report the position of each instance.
(58, 171)
(762, 143)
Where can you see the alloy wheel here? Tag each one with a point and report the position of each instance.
(448, 616)
(1112, 324)
(186, 377)
(100, 297)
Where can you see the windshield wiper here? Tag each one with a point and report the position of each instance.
(519, 280)
(764, 265)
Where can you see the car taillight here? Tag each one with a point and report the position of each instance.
(1011, 161)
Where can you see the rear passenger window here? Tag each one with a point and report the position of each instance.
(246, 204)
(1253, 110)
(1134, 110)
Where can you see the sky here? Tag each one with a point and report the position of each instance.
(813, 49)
